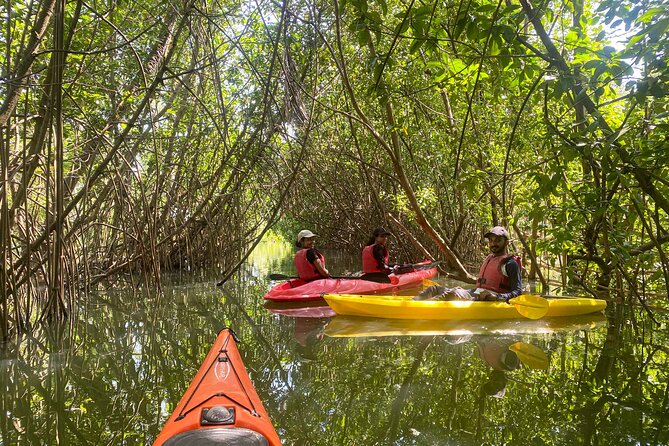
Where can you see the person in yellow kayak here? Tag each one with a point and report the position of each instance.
(499, 277)
(309, 262)
(375, 254)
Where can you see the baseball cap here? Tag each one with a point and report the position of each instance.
(498, 230)
(304, 233)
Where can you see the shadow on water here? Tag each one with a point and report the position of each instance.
(114, 375)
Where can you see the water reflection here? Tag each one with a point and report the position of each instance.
(114, 376)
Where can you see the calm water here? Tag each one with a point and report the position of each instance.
(112, 377)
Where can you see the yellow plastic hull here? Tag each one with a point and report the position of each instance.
(358, 326)
(402, 307)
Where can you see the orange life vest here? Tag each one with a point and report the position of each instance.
(306, 270)
(369, 262)
(491, 276)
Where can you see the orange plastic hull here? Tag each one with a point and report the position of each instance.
(221, 385)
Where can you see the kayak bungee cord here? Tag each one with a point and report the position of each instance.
(226, 358)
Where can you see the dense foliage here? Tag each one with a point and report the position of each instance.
(148, 136)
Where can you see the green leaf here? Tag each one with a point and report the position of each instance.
(651, 14)
(592, 127)
(493, 50)
(440, 74)
(423, 11)
(384, 6)
(486, 8)
(415, 45)
(364, 37)
(435, 65)
(511, 9)
(456, 66)
(342, 6)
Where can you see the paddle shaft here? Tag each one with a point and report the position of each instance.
(372, 277)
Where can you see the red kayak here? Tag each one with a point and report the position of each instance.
(221, 406)
(295, 290)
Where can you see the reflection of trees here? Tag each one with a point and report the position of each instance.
(113, 378)
(125, 359)
(629, 385)
(380, 384)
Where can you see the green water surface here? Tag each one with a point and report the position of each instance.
(113, 376)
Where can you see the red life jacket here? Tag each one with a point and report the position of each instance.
(306, 270)
(369, 262)
(491, 277)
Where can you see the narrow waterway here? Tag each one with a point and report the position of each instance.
(113, 376)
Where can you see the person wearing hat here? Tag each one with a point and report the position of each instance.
(375, 253)
(309, 262)
(498, 279)
(499, 276)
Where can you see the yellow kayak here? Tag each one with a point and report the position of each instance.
(403, 307)
(358, 326)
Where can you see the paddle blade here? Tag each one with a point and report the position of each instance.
(278, 277)
(530, 306)
(428, 283)
(530, 355)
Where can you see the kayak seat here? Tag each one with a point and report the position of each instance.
(217, 436)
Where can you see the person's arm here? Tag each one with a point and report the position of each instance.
(515, 281)
(321, 269)
(314, 258)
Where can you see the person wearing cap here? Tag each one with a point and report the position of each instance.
(309, 262)
(498, 279)
(375, 254)
(499, 276)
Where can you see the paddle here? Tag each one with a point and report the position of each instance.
(409, 267)
(371, 277)
(530, 306)
(530, 355)
(428, 283)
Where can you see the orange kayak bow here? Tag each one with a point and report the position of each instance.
(221, 406)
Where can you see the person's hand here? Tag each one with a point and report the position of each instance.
(487, 295)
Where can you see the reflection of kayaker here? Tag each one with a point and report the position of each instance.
(496, 384)
(308, 332)
(495, 352)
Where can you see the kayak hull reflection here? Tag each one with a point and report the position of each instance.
(358, 326)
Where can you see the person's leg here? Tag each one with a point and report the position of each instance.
(432, 293)
(461, 294)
